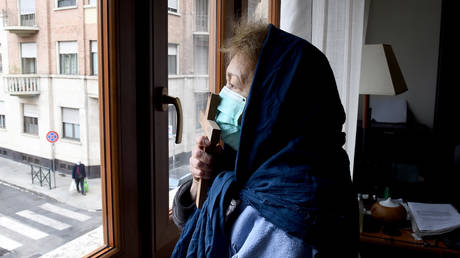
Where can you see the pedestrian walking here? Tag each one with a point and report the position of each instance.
(79, 174)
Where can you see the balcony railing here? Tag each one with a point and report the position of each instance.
(201, 23)
(23, 85)
(28, 19)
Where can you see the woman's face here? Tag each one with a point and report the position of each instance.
(239, 75)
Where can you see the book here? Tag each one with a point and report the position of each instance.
(429, 219)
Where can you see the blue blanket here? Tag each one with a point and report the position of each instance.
(290, 165)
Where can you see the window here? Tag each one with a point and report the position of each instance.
(28, 57)
(27, 12)
(31, 114)
(1, 63)
(92, 2)
(66, 3)
(201, 100)
(68, 63)
(172, 6)
(2, 114)
(71, 123)
(172, 59)
(201, 17)
(93, 57)
(201, 54)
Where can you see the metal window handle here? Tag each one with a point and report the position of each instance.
(162, 100)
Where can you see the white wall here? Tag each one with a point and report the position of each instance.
(412, 28)
(55, 92)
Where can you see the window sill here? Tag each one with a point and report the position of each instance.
(3, 129)
(89, 6)
(69, 140)
(174, 13)
(65, 8)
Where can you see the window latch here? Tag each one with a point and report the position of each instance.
(162, 100)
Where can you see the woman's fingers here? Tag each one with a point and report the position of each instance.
(202, 142)
(200, 173)
(202, 156)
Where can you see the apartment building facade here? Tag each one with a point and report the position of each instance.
(49, 83)
(49, 80)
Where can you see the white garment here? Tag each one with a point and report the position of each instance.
(254, 236)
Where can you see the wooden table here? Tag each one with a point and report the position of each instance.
(378, 244)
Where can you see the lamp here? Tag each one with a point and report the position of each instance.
(380, 75)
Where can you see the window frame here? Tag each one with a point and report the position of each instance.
(24, 125)
(56, 5)
(171, 10)
(177, 58)
(2, 121)
(135, 218)
(93, 70)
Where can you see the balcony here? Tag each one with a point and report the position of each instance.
(26, 27)
(23, 85)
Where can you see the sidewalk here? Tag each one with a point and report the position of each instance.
(18, 175)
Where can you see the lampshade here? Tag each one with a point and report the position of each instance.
(380, 72)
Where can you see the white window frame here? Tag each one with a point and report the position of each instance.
(33, 116)
(58, 58)
(74, 124)
(32, 53)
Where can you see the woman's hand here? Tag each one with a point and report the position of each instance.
(201, 163)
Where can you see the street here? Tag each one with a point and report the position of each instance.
(33, 224)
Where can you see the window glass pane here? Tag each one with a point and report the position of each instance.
(190, 33)
(172, 64)
(33, 105)
(64, 3)
(28, 65)
(257, 10)
(2, 121)
(31, 125)
(68, 64)
(94, 67)
(68, 130)
(77, 131)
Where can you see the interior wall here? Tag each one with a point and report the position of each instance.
(412, 28)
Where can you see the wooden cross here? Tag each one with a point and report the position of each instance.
(212, 131)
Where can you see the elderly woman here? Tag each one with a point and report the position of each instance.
(281, 184)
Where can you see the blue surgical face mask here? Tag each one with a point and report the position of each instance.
(229, 112)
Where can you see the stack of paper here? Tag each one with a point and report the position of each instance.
(433, 219)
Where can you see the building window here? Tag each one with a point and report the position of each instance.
(66, 3)
(172, 6)
(201, 50)
(201, 100)
(29, 57)
(31, 119)
(93, 53)
(71, 123)
(172, 59)
(68, 63)
(172, 121)
(27, 12)
(1, 63)
(2, 114)
(201, 18)
(92, 2)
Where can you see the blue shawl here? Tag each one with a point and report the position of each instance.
(290, 165)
